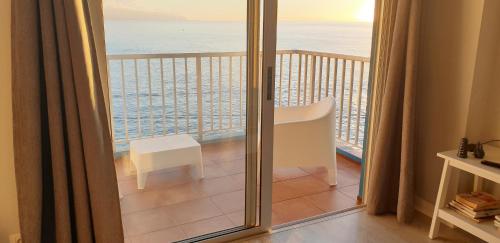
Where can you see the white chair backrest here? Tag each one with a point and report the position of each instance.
(305, 113)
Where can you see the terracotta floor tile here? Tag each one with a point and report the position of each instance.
(141, 201)
(295, 209)
(214, 171)
(346, 179)
(232, 167)
(354, 168)
(282, 192)
(286, 173)
(239, 179)
(350, 191)
(157, 181)
(306, 185)
(165, 235)
(237, 218)
(343, 178)
(127, 187)
(206, 226)
(191, 211)
(147, 221)
(223, 151)
(230, 202)
(353, 173)
(169, 178)
(182, 193)
(314, 170)
(348, 162)
(331, 201)
(210, 187)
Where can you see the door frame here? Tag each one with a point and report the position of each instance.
(374, 95)
(367, 143)
(268, 76)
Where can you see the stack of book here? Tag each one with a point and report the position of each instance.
(478, 206)
(497, 221)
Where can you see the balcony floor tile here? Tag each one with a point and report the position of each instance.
(175, 206)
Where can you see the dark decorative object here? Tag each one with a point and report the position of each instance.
(491, 163)
(479, 151)
(463, 148)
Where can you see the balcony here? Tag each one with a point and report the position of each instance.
(203, 94)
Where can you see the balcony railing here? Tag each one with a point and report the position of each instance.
(203, 94)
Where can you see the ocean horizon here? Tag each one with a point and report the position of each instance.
(179, 36)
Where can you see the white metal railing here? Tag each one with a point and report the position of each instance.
(204, 93)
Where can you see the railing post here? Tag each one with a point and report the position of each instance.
(313, 77)
(199, 100)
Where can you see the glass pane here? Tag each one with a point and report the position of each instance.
(322, 67)
(177, 72)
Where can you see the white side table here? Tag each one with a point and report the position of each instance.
(485, 230)
(151, 154)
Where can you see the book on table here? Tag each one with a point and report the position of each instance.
(478, 206)
(478, 201)
(497, 223)
(474, 214)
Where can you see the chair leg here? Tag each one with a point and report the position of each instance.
(332, 176)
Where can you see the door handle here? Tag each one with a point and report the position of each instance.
(270, 90)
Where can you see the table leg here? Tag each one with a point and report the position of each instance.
(441, 199)
(201, 169)
(141, 179)
(197, 167)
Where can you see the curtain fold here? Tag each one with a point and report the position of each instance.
(391, 181)
(67, 188)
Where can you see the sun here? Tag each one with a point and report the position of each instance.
(365, 13)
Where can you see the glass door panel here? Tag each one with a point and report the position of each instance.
(322, 67)
(186, 113)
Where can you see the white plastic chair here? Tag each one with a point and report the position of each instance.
(305, 136)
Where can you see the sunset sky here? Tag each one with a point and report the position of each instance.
(235, 10)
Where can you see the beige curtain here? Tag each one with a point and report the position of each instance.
(65, 173)
(391, 181)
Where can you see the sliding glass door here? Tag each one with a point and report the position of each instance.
(192, 115)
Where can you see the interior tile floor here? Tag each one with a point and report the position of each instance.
(174, 206)
(358, 226)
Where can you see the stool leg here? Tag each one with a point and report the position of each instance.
(197, 169)
(441, 199)
(201, 169)
(141, 179)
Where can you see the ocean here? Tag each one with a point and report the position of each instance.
(142, 37)
(144, 102)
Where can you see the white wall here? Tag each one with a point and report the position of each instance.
(484, 109)
(9, 221)
(458, 83)
(449, 39)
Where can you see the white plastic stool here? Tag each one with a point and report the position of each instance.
(151, 154)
